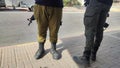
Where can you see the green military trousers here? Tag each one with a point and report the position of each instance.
(47, 18)
(94, 19)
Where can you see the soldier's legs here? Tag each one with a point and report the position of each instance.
(90, 21)
(54, 24)
(42, 22)
(99, 34)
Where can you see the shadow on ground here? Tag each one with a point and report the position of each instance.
(108, 53)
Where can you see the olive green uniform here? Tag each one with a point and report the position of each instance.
(47, 18)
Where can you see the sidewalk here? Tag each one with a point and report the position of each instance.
(108, 55)
(22, 56)
(114, 8)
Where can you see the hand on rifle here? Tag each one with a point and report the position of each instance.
(30, 21)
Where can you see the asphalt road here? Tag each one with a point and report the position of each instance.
(14, 29)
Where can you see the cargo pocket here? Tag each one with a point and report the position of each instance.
(90, 11)
(89, 16)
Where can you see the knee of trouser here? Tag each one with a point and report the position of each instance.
(90, 32)
(41, 38)
(54, 36)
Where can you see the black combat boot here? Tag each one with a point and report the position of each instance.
(40, 52)
(85, 61)
(54, 52)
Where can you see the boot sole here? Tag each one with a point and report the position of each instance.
(41, 56)
(79, 62)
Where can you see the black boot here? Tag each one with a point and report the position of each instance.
(54, 52)
(40, 52)
(85, 61)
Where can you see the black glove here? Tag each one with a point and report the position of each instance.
(31, 19)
